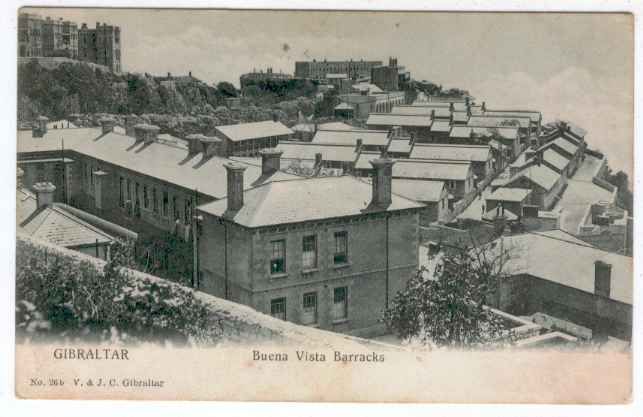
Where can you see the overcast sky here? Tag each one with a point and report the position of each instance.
(573, 66)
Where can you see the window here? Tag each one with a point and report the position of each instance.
(155, 201)
(121, 192)
(166, 203)
(136, 196)
(278, 257)
(145, 196)
(309, 252)
(340, 303)
(187, 212)
(602, 278)
(341, 248)
(278, 308)
(129, 189)
(452, 184)
(175, 207)
(309, 314)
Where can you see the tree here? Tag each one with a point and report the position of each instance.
(226, 89)
(624, 196)
(450, 308)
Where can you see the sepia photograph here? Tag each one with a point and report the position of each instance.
(300, 205)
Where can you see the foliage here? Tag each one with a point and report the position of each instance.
(450, 307)
(61, 297)
(624, 196)
(226, 89)
(326, 106)
(269, 92)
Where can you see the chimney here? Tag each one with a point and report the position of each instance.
(40, 128)
(483, 107)
(451, 107)
(190, 74)
(210, 145)
(44, 193)
(235, 185)
(275, 117)
(602, 278)
(382, 181)
(432, 114)
(360, 143)
(319, 159)
(194, 143)
(146, 133)
(107, 125)
(270, 160)
(130, 122)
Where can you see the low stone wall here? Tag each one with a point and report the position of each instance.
(240, 324)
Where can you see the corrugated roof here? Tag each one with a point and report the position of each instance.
(283, 202)
(306, 150)
(509, 194)
(387, 119)
(488, 121)
(412, 110)
(166, 162)
(349, 137)
(557, 257)
(245, 131)
(432, 170)
(451, 152)
(509, 133)
(418, 190)
(459, 116)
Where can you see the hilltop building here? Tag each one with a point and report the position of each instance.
(261, 76)
(317, 70)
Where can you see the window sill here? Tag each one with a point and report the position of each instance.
(342, 265)
(340, 321)
(280, 275)
(309, 271)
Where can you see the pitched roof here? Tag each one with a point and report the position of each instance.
(505, 132)
(166, 162)
(400, 146)
(433, 170)
(441, 126)
(343, 106)
(489, 121)
(460, 116)
(418, 190)
(363, 161)
(307, 150)
(372, 88)
(388, 119)
(539, 174)
(411, 110)
(534, 116)
(55, 224)
(283, 202)
(254, 130)
(430, 104)
(556, 159)
(558, 257)
(478, 153)
(509, 194)
(565, 145)
(349, 137)
(336, 126)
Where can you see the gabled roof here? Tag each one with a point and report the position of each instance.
(558, 257)
(254, 130)
(307, 150)
(372, 88)
(509, 194)
(565, 145)
(349, 137)
(363, 161)
(489, 121)
(430, 104)
(336, 126)
(165, 162)
(418, 190)
(283, 202)
(388, 119)
(508, 133)
(538, 174)
(460, 116)
(477, 153)
(555, 159)
(343, 106)
(431, 170)
(411, 110)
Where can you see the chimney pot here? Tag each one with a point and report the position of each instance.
(318, 159)
(107, 125)
(270, 160)
(44, 193)
(360, 143)
(235, 185)
(146, 133)
(40, 128)
(382, 183)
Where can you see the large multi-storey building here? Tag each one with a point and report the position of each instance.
(38, 37)
(317, 70)
(261, 76)
(101, 45)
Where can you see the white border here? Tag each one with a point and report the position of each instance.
(12, 407)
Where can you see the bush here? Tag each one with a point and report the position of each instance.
(62, 297)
